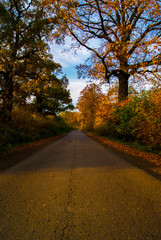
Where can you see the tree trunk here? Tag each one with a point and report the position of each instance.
(7, 97)
(39, 102)
(123, 86)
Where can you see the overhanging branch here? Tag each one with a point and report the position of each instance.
(94, 51)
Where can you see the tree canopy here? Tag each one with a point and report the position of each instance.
(87, 105)
(123, 37)
(51, 95)
(25, 28)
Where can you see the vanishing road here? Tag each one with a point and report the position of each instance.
(75, 189)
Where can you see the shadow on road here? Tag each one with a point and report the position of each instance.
(73, 151)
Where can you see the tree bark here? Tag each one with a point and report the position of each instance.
(7, 97)
(123, 86)
(39, 102)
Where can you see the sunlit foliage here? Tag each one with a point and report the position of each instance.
(124, 38)
(72, 119)
(87, 105)
(136, 119)
(31, 93)
(25, 29)
(50, 94)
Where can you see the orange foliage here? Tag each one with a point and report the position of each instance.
(125, 34)
(135, 119)
(148, 120)
(87, 105)
(151, 158)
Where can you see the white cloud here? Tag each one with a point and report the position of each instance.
(76, 86)
(68, 57)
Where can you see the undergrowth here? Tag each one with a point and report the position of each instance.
(26, 127)
(136, 122)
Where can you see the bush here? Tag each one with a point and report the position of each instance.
(147, 121)
(135, 120)
(123, 117)
(27, 127)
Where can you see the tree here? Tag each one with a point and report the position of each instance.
(23, 31)
(87, 105)
(71, 118)
(52, 96)
(124, 37)
(41, 84)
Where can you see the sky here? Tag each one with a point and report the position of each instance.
(69, 60)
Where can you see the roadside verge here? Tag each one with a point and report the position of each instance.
(16, 155)
(148, 161)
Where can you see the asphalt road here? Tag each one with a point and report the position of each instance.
(77, 189)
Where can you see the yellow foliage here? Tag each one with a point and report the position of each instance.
(138, 118)
(88, 102)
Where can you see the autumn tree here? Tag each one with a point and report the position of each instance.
(42, 84)
(87, 105)
(24, 29)
(71, 118)
(52, 96)
(27, 82)
(123, 37)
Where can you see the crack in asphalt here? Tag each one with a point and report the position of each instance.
(68, 210)
(83, 191)
(68, 213)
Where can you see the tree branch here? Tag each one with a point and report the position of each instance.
(138, 41)
(93, 50)
(102, 23)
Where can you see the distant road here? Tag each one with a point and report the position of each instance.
(75, 189)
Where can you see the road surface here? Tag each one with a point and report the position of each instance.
(76, 189)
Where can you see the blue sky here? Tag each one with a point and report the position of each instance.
(69, 60)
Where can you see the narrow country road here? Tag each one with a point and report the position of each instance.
(75, 189)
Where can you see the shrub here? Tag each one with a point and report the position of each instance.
(137, 119)
(147, 121)
(27, 127)
(123, 114)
